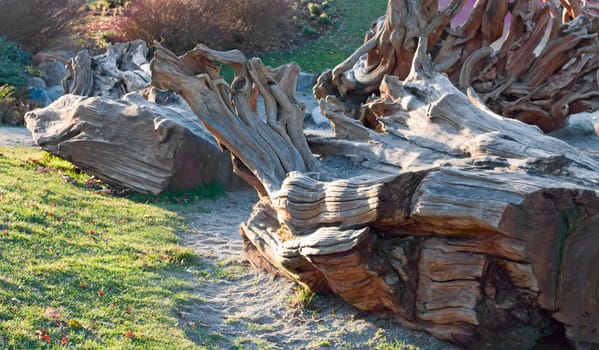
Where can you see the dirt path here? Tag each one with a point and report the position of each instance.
(15, 136)
(243, 308)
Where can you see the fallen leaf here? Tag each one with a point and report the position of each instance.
(130, 335)
(41, 331)
(53, 313)
(46, 338)
(74, 324)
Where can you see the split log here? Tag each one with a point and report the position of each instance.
(458, 221)
(543, 70)
(132, 142)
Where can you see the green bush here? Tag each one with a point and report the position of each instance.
(118, 3)
(13, 63)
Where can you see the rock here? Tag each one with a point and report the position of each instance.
(578, 125)
(38, 96)
(54, 92)
(318, 119)
(132, 143)
(52, 72)
(305, 81)
(36, 82)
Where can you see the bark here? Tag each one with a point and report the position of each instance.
(544, 69)
(456, 220)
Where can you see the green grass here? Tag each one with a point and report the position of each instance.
(302, 298)
(85, 269)
(347, 34)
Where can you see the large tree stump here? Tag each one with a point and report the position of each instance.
(542, 71)
(458, 221)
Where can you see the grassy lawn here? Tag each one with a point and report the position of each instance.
(85, 269)
(355, 17)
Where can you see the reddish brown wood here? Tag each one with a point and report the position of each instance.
(544, 70)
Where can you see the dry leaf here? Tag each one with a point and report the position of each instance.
(53, 313)
(129, 335)
(64, 340)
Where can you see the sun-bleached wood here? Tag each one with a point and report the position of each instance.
(123, 68)
(133, 142)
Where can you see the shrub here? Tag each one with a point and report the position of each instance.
(106, 4)
(117, 3)
(254, 25)
(13, 63)
(12, 110)
(314, 9)
(34, 22)
(250, 25)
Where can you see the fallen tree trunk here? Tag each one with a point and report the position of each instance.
(133, 142)
(113, 125)
(458, 221)
(540, 72)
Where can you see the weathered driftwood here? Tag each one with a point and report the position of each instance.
(542, 71)
(150, 144)
(123, 68)
(132, 142)
(458, 221)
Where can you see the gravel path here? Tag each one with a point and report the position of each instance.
(15, 136)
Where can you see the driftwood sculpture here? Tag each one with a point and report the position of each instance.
(541, 71)
(458, 221)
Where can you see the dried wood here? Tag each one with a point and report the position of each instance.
(456, 220)
(540, 69)
(123, 68)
